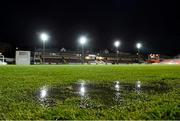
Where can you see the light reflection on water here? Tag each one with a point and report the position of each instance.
(82, 89)
(138, 87)
(90, 94)
(82, 92)
(43, 92)
(117, 86)
(45, 98)
(117, 97)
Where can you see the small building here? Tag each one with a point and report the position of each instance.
(23, 57)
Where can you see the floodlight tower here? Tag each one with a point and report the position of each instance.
(117, 44)
(44, 38)
(138, 46)
(82, 41)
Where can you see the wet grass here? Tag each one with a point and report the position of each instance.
(19, 84)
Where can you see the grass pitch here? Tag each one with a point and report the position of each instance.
(18, 84)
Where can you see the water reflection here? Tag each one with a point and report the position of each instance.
(82, 89)
(44, 96)
(88, 95)
(138, 84)
(117, 86)
(117, 97)
(83, 94)
(138, 87)
(43, 92)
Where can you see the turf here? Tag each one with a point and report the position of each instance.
(18, 83)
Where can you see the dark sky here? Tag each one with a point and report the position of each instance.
(155, 23)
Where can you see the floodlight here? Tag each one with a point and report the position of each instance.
(138, 45)
(83, 40)
(117, 44)
(44, 37)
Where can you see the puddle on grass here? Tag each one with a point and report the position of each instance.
(91, 95)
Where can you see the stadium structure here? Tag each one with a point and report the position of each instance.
(75, 57)
(175, 60)
(63, 56)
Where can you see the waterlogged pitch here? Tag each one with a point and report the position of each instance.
(90, 92)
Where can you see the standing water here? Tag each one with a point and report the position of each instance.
(90, 95)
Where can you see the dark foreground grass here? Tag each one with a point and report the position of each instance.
(18, 83)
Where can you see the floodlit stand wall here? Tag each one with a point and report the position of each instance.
(23, 57)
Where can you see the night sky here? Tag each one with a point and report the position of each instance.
(155, 23)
